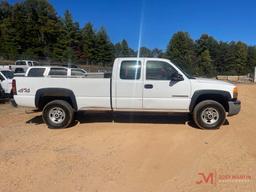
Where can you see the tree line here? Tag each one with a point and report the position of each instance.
(31, 29)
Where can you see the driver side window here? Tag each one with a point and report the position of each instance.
(159, 70)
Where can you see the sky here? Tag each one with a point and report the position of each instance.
(155, 21)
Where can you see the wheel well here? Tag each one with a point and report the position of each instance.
(46, 95)
(215, 97)
(43, 101)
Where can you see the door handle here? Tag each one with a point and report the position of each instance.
(148, 86)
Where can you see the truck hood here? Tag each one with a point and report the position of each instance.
(213, 81)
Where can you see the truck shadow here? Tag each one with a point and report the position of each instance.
(154, 118)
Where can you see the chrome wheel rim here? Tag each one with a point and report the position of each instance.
(57, 115)
(210, 115)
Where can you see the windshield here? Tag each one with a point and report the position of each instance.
(8, 74)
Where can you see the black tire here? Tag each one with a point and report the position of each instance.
(53, 114)
(209, 114)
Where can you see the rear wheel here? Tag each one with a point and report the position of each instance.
(58, 114)
(209, 114)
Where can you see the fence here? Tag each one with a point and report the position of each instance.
(237, 78)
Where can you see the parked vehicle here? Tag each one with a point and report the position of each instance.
(136, 84)
(6, 77)
(20, 67)
(56, 71)
(2, 94)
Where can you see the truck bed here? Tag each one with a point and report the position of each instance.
(89, 92)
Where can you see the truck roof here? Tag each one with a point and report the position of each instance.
(137, 58)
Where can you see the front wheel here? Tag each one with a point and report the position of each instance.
(58, 114)
(209, 114)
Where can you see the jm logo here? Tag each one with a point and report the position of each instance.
(205, 179)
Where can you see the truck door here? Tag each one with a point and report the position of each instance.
(129, 85)
(160, 92)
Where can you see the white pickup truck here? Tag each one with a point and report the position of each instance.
(6, 77)
(20, 66)
(136, 84)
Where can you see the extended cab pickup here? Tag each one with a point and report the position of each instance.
(136, 84)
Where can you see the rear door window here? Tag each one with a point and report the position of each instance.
(19, 70)
(36, 72)
(130, 70)
(20, 63)
(58, 72)
(77, 72)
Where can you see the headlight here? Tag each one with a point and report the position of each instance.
(235, 93)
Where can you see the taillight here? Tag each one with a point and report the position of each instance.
(14, 90)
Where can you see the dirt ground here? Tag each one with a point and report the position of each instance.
(133, 153)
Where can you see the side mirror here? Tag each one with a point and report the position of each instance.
(177, 77)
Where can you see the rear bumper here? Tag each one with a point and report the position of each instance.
(234, 107)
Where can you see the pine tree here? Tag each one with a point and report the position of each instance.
(118, 50)
(72, 37)
(89, 41)
(180, 51)
(205, 67)
(206, 45)
(251, 59)
(221, 57)
(122, 49)
(236, 59)
(158, 53)
(104, 49)
(125, 48)
(145, 52)
(8, 33)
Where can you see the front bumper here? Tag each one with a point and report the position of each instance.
(234, 107)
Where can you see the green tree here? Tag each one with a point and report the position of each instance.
(205, 67)
(104, 50)
(251, 58)
(40, 33)
(158, 53)
(145, 52)
(236, 58)
(206, 45)
(122, 49)
(89, 41)
(180, 51)
(8, 33)
(118, 50)
(72, 37)
(221, 57)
